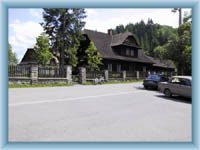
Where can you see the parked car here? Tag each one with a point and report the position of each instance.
(177, 85)
(153, 79)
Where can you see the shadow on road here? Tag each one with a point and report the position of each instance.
(142, 88)
(162, 96)
(176, 99)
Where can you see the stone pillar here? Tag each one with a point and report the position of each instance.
(106, 75)
(124, 75)
(138, 74)
(34, 74)
(82, 72)
(69, 73)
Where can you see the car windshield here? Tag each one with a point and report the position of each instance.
(153, 77)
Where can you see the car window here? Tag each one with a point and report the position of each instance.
(185, 82)
(153, 77)
(164, 79)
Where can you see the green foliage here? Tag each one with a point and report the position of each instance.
(178, 48)
(39, 85)
(94, 59)
(41, 47)
(115, 82)
(185, 45)
(12, 57)
(72, 52)
(160, 52)
(188, 57)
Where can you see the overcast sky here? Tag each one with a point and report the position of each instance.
(24, 24)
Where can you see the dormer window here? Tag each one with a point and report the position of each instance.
(132, 52)
(127, 52)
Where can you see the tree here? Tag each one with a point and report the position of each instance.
(160, 52)
(178, 48)
(64, 29)
(42, 49)
(12, 57)
(93, 57)
(120, 29)
(185, 45)
(72, 56)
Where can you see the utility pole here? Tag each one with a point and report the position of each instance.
(180, 14)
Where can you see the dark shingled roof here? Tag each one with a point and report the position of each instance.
(166, 63)
(104, 43)
(118, 39)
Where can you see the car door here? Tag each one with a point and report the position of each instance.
(185, 88)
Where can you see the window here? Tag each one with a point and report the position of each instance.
(127, 52)
(132, 52)
(109, 67)
(118, 67)
(181, 81)
(185, 82)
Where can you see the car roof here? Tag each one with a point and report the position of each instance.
(184, 77)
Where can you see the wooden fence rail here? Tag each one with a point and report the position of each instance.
(18, 71)
(115, 75)
(50, 72)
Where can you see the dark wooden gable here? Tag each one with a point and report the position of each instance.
(131, 41)
(29, 57)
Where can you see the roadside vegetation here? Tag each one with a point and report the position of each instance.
(70, 84)
(113, 82)
(38, 85)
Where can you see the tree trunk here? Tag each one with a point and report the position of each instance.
(62, 68)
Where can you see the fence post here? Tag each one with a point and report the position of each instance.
(34, 74)
(82, 75)
(124, 75)
(106, 75)
(138, 74)
(69, 73)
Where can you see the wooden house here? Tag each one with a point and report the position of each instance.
(123, 52)
(119, 52)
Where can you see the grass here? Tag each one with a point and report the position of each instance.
(65, 84)
(38, 85)
(114, 82)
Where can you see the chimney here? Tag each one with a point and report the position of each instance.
(109, 31)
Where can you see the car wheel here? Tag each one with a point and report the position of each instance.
(167, 92)
(146, 87)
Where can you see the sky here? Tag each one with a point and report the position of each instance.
(24, 24)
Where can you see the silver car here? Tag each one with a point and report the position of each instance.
(177, 85)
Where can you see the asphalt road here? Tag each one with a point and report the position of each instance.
(117, 112)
